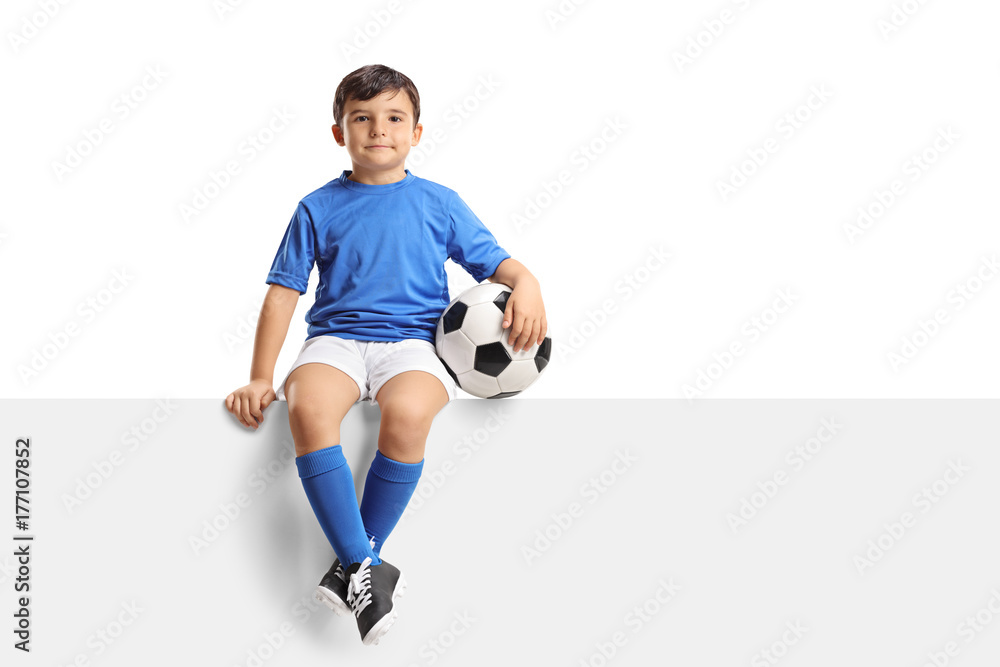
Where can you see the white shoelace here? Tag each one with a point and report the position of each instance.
(359, 590)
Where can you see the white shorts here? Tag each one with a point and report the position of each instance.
(371, 363)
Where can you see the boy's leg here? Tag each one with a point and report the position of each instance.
(409, 402)
(319, 396)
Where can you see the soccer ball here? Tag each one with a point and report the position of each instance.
(473, 345)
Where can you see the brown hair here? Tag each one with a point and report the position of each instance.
(371, 81)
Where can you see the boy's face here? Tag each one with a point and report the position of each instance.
(378, 134)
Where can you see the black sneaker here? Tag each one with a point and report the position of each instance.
(371, 594)
(332, 590)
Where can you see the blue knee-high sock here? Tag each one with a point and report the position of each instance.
(388, 489)
(326, 477)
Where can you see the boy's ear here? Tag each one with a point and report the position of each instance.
(338, 134)
(417, 132)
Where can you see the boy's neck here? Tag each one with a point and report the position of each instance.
(377, 177)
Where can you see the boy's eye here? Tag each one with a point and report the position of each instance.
(396, 118)
(359, 118)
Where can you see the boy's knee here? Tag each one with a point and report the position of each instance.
(406, 418)
(308, 415)
(304, 409)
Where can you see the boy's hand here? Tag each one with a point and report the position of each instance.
(525, 315)
(248, 402)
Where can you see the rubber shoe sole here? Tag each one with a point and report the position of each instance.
(383, 624)
(333, 601)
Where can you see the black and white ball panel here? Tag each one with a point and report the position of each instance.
(472, 344)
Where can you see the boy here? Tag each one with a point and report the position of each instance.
(379, 237)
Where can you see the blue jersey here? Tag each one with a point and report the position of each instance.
(380, 252)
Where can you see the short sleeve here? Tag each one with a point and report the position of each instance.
(294, 261)
(470, 244)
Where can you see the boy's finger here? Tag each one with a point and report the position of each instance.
(240, 403)
(515, 331)
(247, 416)
(258, 412)
(524, 335)
(508, 315)
(533, 336)
(530, 333)
(268, 398)
(236, 409)
(522, 340)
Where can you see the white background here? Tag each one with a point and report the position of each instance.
(685, 127)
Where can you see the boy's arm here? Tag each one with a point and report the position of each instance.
(272, 327)
(525, 312)
(248, 403)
